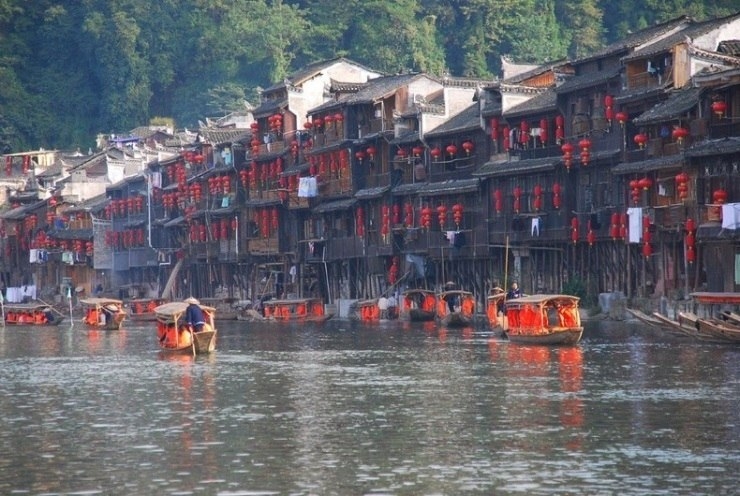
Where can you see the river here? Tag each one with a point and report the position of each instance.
(344, 408)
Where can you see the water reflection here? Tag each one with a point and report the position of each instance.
(345, 408)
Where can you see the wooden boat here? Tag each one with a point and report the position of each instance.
(494, 310)
(174, 335)
(418, 305)
(731, 317)
(366, 310)
(715, 298)
(455, 308)
(104, 313)
(31, 314)
(142, 309)
(224, 308)
(661, 323)
(544, 319)
(720, 330)
(301, 309)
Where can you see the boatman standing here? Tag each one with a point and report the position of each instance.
(194, 316)
(514, 292)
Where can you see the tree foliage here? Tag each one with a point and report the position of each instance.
(71, 69)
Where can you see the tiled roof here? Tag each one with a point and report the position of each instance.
(407, 189)
(678, 103)
(508, 168)
(262, 202)
(269, 107)
(224, 136)
(56, 169)
(335, 206)
(691, 31)
(19, 213)
(450, 187)
(729, 47)
(587, 80)
(370, 193)
(299, 76)
(544, 102)
(651, 165)
(639, 38)
(466, 120)
(714, 147)
(379, 87)
(535, 72)
(71, 233)
(406, 138)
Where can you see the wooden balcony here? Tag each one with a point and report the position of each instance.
(346, 247)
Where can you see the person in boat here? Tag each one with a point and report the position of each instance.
(194, 315)
(514, 292)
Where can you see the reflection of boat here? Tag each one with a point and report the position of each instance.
(174, 335)
(456, 308)
(544, 319)
(142, 309)
(418, 305)
(494, 310)
(302, 309)
(105, 313)
(36, 314)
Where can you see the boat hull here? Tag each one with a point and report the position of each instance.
(557, 337)
(203, 342)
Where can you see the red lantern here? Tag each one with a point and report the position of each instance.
(435, 153)
(524, 133)
(498, 202)
(396, 214)
(719, 197)
(609, 112)
(645, 183)
(719, 107)
(426, 217)
(371, 151)
(409, 217)
(556, 196)
(401, 153)
(457, 214)
(647, 250)
(679, 134)
(517, 199)
(690, 254)
(585, 145)
(451, 150)
(537, 203)
(614, 227)
(442, 216)
(591, 235)
(417, 151)
(641, 139)
(622, 118)
(360, 222)
(494, 128)
(468, 147)
(360, 155)
(567, 150)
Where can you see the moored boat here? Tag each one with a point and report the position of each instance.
(103, 313)
(494, 310)
(31, 314)
(142, 309)
(174, 334)
(456, 308)
(300, 309)
(550, 319)
(418, 305)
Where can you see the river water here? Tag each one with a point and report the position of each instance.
(343, 408)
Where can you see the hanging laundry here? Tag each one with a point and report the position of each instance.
(635, 224)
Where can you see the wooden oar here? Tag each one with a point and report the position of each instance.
(52, 307)
(192, 339)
